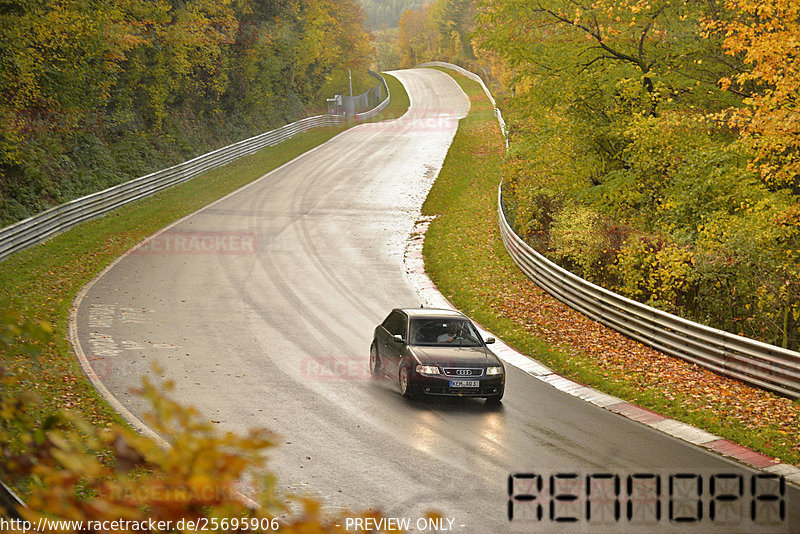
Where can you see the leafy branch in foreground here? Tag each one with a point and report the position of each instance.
(76, 471)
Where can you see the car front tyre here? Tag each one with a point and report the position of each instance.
(374, 361)
(405, 383)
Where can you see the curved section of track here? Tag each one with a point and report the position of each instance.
(261, 307)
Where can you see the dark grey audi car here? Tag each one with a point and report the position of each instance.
(436, 352)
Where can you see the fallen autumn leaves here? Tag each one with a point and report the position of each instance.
(466, 259)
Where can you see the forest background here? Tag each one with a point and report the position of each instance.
(95, 93)
(654, 150)
(654, 144)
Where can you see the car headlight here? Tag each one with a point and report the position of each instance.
(428, 369)
(494, 371)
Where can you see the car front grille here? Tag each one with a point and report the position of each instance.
(465, 392)
(463, 372)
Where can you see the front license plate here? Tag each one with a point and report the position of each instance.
(464, 383)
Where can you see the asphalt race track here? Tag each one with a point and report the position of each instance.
(261, 307)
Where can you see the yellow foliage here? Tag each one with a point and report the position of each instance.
(766, 34)
(82, 473)
(654, 272)
(576, 237)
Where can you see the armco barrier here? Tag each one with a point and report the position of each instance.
(366, 115)
(41, 226)
(474, 77)
(751, 361)
(10, 504)
(760, 364)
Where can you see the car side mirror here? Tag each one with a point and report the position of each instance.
(398, 338)
(489, 340)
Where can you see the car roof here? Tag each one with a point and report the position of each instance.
(431, 312)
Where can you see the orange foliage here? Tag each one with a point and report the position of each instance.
(115, 480)
(766, 34)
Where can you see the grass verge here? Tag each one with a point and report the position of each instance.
(41, 282)
(465, 257)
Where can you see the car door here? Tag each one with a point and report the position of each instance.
(390, 350)
(382, 336)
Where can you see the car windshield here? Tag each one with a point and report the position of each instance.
(444, 332)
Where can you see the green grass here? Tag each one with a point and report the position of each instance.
(42, 282)
(466, 259)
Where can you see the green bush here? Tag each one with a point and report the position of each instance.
(577, 239)
(655, 272)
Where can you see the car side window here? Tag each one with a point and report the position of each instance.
(395, 323)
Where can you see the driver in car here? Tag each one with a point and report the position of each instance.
(450, 335)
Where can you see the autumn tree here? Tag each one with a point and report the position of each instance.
(765, 35)
(56, 65)
(382, 14)
(413, 39)
(93, 94)
(440, 30)
(624, 167)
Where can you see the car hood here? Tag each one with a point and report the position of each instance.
(454, 356)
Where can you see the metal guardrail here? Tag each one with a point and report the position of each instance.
(46, 224)
(378, 91)
(41, 226)
(756, 363)
(751, 361)
(474, 77)
(10, 503)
